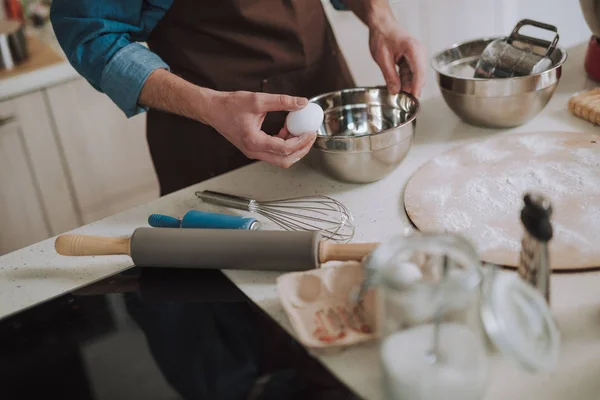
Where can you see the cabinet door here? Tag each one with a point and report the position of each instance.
(46, 162)
(23, 221)
(106, 153)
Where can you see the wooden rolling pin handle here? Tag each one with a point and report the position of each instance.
(344, 252)
(82, 245)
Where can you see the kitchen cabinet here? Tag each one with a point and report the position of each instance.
(36, 199)
(68, 157)
(47, 165)
(23, 221)
(106, 153)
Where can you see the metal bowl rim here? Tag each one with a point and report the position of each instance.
(413, 117)
(491, 38)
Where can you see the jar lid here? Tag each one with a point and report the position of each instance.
(518, 321)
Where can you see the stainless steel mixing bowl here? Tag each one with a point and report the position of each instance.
(493, 103)
(365, 135)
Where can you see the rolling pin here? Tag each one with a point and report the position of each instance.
(217, 249)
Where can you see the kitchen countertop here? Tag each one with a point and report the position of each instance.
(35, 274)
(36, 80)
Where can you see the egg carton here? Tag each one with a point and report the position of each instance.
(318, 305)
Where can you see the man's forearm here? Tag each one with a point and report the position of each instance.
(166, 91)
(371, 12)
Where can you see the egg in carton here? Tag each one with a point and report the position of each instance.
(319, 308)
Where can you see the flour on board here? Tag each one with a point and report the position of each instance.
(481, 151)
(441, 194)
(587, 157)
(540, 143)
(484, 203)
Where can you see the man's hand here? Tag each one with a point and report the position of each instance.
(238, 116)
(392, 47)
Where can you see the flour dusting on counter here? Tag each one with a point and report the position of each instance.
(446, 161)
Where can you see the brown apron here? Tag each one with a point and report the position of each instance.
(274, 46)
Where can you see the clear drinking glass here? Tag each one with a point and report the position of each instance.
(432, 342)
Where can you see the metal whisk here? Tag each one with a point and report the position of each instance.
(307, 213)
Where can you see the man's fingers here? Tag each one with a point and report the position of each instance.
(267, 102)
(263, 143)
(406, 75)
(387, 64)
(416, 60)
(289, 160)
(288, 146)
(284, 134)
(297, 156)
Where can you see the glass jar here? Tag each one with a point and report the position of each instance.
(440, 315)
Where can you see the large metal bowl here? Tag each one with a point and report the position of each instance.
(493, 103)
(365, 135)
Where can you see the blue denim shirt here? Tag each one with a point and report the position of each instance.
(101, 41)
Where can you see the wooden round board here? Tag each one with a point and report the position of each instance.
(477, 190)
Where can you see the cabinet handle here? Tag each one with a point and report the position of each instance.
(6, 119)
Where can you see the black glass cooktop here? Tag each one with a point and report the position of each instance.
(159, 335)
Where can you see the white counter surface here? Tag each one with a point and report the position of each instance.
(36, 80)
(35, 274)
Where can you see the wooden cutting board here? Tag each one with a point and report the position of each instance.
(477, 190)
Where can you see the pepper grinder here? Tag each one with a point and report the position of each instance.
(534, 265)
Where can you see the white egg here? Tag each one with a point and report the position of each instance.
(309, 119)
(406, 273)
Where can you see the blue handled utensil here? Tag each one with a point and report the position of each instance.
(163, 221)
(204, 220)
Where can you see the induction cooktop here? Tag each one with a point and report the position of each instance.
(156, 334)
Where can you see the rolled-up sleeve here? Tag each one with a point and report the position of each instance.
(101, 41)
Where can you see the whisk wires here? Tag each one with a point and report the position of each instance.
(311, 213)
(305, 213)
